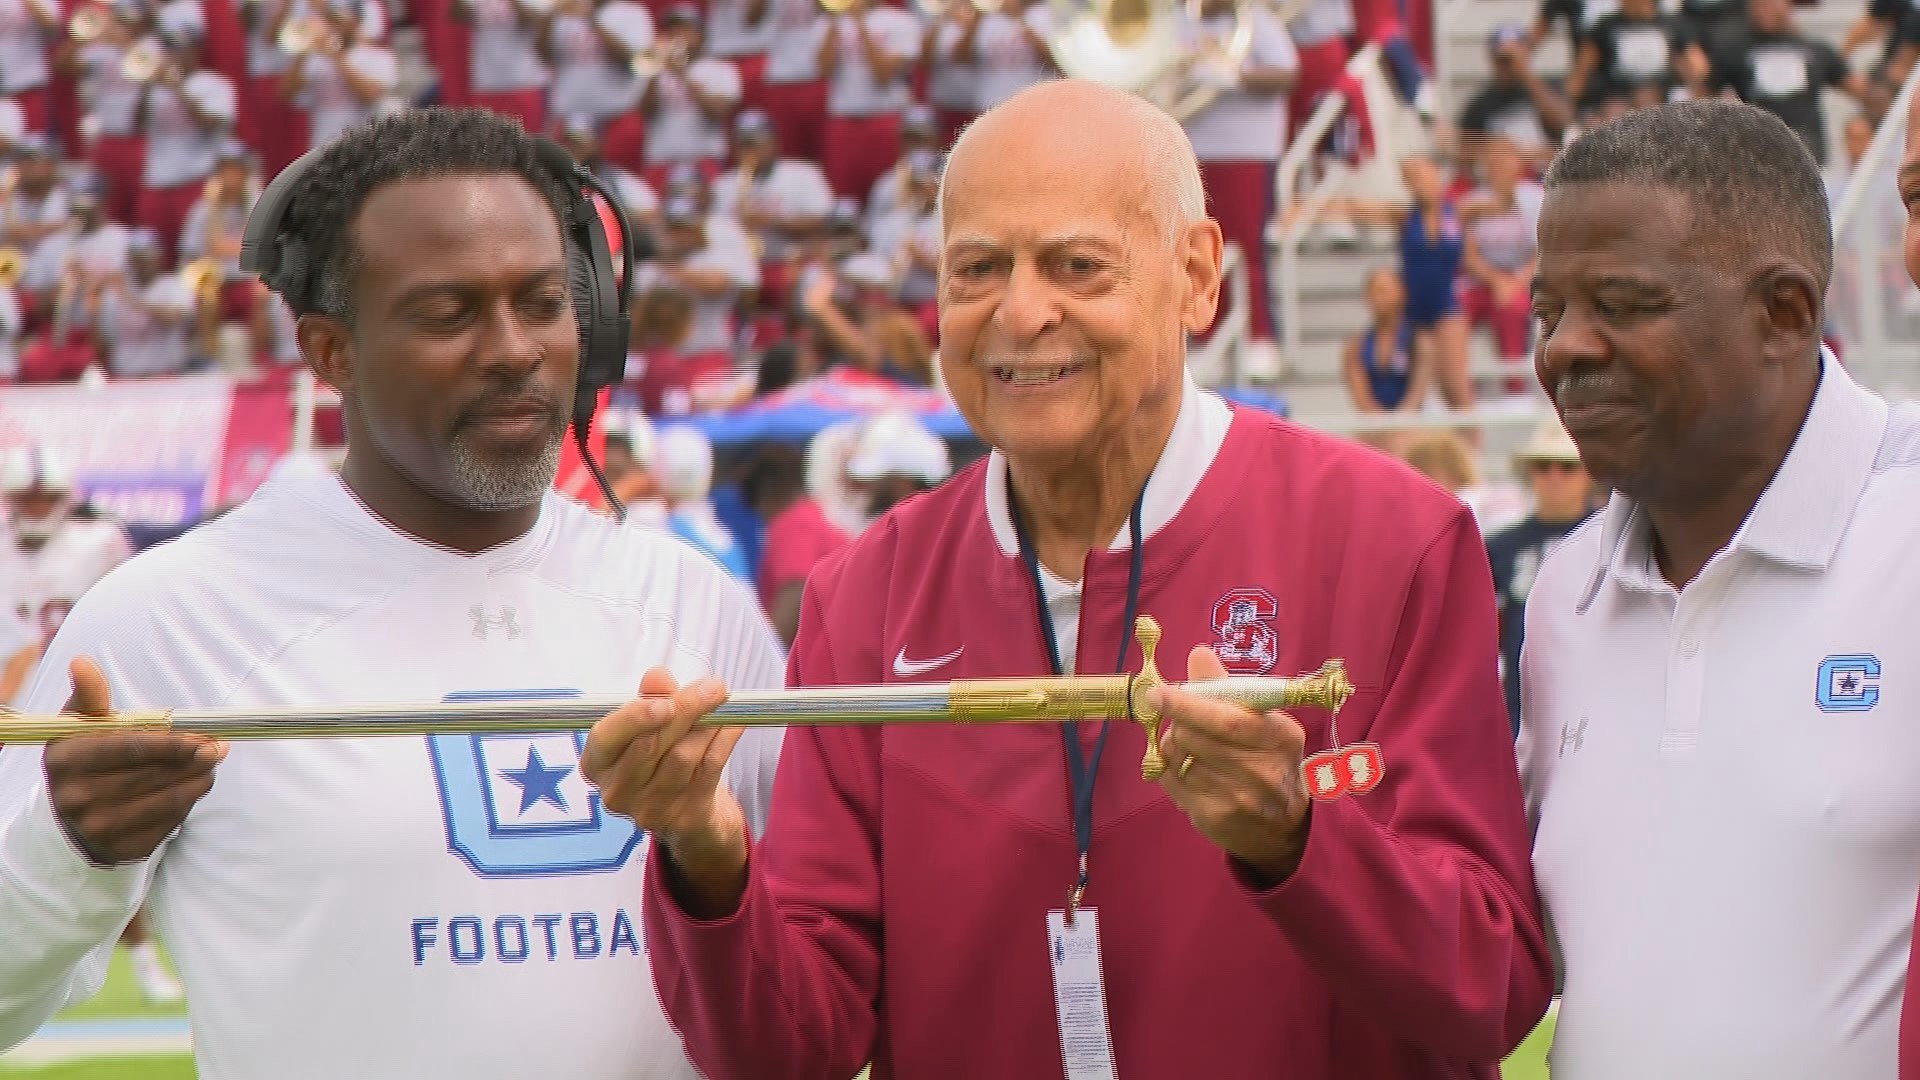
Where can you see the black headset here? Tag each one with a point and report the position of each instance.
(600, 299)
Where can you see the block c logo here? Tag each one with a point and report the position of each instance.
(1849, 683)
(517, 806)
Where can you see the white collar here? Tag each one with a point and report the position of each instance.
(1198, 432)
(1802, 515)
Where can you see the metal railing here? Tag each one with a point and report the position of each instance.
(1872, 306)
(1300, 217)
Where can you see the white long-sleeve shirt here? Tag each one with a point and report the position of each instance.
(406, 907)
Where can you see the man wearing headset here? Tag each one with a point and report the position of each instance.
(439, 907)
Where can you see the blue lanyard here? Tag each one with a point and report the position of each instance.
(1081, 773)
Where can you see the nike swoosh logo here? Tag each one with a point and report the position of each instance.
(907, 669)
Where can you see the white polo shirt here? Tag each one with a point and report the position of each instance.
(1723, 778)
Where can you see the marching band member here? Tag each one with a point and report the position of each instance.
(953, 72)
(1010, 49)
(794, 90)
(739, 32)
(690, 100)
(33, 202)
(28, 31)
(111, 100)
(1239, 137)
(909, 238)
(211, 238)
(505, 71)
(145, 317)
(184, 114)
(581, 137)
(712, 266)
(920, 132)
(779, 200)
(591, 45)
(867, 55)
(344, 77)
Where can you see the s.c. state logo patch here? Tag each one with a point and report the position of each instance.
(1244, 637)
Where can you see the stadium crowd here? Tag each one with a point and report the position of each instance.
(782, 158)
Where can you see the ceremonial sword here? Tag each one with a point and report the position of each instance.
(966, 701)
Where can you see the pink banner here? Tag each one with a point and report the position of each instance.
(149, 452)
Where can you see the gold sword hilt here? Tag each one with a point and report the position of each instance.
(1326, 689)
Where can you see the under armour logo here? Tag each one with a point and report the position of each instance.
(1573, 736)
(483, 624)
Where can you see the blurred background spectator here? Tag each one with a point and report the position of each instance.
(684, 471)
(1388, 368)
(1562, 497)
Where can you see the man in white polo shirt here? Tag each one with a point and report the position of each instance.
(1720, 726)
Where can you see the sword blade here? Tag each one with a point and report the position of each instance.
(975, 701)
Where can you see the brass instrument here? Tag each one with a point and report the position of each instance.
(1155, 48)
(655, 58)
(301, 36)
(13, 263)
(87, 25)
(1070, 698)
(939, 9)
(203, 278)
(143, 62)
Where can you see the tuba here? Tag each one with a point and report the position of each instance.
(1158, 49)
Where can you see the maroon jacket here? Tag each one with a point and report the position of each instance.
(896, 909)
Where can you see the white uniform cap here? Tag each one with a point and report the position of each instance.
(684, 465)
(27, 468)
(1550, 442)
(634, 426)
(895, 444)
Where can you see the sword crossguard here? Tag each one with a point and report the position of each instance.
(1146, 712)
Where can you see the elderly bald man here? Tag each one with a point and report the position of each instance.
(909, 903)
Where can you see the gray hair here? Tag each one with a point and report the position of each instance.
(1167, 158)
(1752, 185)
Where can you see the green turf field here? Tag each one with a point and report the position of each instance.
(120, 1000)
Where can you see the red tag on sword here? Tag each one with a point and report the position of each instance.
(1354, 769)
